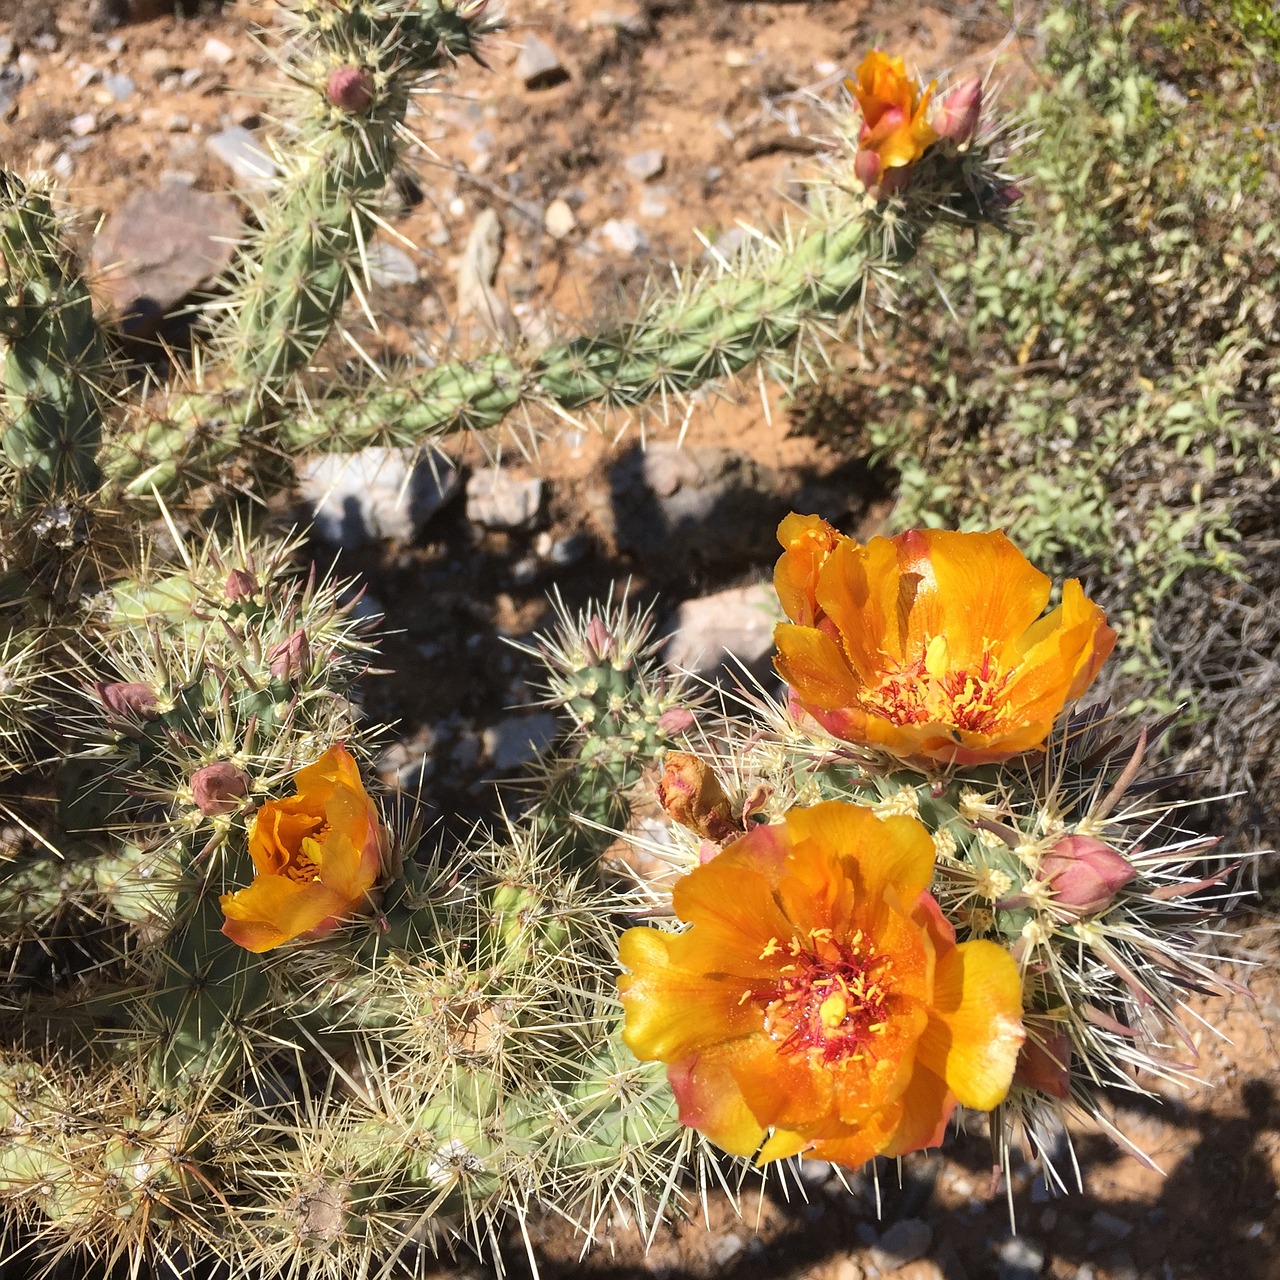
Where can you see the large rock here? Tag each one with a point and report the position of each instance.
(158, 248)
(498, 500)
(699, 504)
(710, 632)
(378, 493)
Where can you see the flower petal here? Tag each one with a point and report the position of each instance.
(710, 1101)
(811, 662)
(274, 909)
(927, 1105)
(975, 1026)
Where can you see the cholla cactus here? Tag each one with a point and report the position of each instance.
(252, 1017)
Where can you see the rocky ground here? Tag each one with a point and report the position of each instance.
(604, 135)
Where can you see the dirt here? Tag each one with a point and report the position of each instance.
(726, 90)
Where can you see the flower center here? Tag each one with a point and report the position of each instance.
(303, 866)
(901, 697)
(968, 698)
(973, 697)
(830, 1000)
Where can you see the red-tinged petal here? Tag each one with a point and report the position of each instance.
(673, 1011)
(709, 1100)
(807, 541)
(273, 910)
(1045, 1064)
(975, 1027)
(927, 1105)
(810, 661)
(866, 1085)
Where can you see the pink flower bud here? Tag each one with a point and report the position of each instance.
(350, 89)
(241, 585)
(1045, 1064)
(290, 657)
(1084, 874)
(677, 720)
(128, 701)
(866, 167)
(957, 114)
(600, 643)
(219, 788)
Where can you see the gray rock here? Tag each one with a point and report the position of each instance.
(83, 125)
(358, 498)
(563, 552)
(646, 165)
(631, 19)
(6, 48)
(1019, 1258)
(389, 265)
(105, 15)
(539, 65)
(903, 1242)
(704, 503)
(519, 739)
(625, 235)
(159, 247)
(237, 148)
(653, 208)
(498, 500)
(559, 219)
(710, 631)
(190, 78)
(11, 82)
(216, 52)
(726, 1248)
(120, 87)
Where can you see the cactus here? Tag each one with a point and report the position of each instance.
(252, 1015)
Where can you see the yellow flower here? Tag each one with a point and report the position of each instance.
(895, 130)
(317, 855)
(931, 646)
(820, 994)
(807, 542)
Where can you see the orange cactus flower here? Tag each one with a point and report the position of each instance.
(806, 541)
(895, 130)
(820, 994)
(316, 855)
(931, 646)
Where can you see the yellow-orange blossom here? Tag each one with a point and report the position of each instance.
(895, 129)
(316, 855)
(821, 995)
(930, 645)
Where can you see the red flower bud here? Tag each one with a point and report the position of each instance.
(219, 788)
(128, 701)
(866, 167)
(677, 720)
(600, 644)
(241, 585)
(350, 89)
(290, 657)
(958, 113)
(1045, 1064)
(1084, 874)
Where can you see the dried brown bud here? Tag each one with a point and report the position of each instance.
(1045, 1065)
(219, 788)
(290, 657)
(241, 585)
(129, 701)
(350, 89)
(691, 794)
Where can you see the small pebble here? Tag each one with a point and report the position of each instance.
(119, 87)
(217, 52)
(624, 235)
(646, 165)
(1108, 1224)
(539, 65)
(1019, 1258)
(83, 125)
(903, 1242)
(559, 219)
(727, 1248)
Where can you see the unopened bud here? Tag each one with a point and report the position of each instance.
(350, 89)
(600, 644)
(290, 657)
(219, 788)
(866, 167)
(677, 720)
(1084, 874)
(958, 113)
(1045, 1064)
(129, 701)
(241, 585)
(691, 794)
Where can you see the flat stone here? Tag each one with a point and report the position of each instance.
(519, 740)
(498, 500)
(378, 493)
(158, 63)
(120, 87)
(11, 84)
(161, 246)
(559, 219)
(726, 1248)
(83, 125)
(216, 52)
(240, 151)
(1019, 1258)
(624, 235)
(538, 64)
(646, 165)
(711, 631)
(652, 208)
(628, 18)
(390, 265)
(903, 1242)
